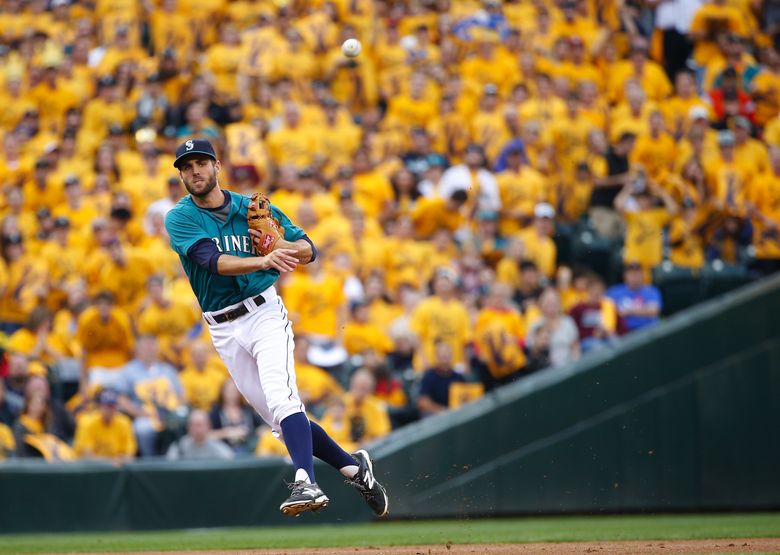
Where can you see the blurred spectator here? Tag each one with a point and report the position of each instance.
(337, 424)
(387, 160)
(530, 286)
(7, 413)
(520, 186)
(33, 433)
(637, 303)
(201, 381)
(674, 18)
(233, 421)
(315, 385)
(538, 245)
(197, 444)
(645, 221)
(434, 394)
(36, 339)
(441, 317)
(686, 235)
(106, 336)
(596, 317)
(360, 334)
(434, 212)
(538, 349)
(563, 340)
(389, 388)
(322, 320)
(166, 318)
(499, 333)
(606, 222)
(366, 416)
(60, 421)
(23, 279)
(162, 205)
(153, 395)
(7, 442)
(105, 433)
(16, 381)
(473, 177)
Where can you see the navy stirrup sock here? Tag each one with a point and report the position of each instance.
(298, 438)
(328, 450)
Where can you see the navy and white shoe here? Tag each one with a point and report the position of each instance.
(365, 482)
(304, 497)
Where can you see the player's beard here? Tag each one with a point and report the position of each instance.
(202, 188)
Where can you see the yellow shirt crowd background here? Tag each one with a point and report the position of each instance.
(94, 101)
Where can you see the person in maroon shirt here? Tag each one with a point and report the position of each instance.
(596, 317)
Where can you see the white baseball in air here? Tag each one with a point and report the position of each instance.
(351, 48)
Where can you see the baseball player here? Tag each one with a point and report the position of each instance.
(248, 320)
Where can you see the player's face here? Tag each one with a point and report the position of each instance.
(199, 174)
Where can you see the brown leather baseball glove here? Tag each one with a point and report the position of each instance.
(260, 218)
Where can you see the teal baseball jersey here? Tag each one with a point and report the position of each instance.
(187, 224)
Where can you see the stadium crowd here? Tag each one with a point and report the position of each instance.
(433, 172)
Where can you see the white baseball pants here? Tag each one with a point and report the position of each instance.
(257, 349)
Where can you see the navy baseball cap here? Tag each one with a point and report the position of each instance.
(108, 397)
(193, 146)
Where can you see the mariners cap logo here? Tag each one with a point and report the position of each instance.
(191, 147)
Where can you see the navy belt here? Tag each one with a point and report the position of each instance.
(237, 312)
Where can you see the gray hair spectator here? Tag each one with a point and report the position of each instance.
(197, 444)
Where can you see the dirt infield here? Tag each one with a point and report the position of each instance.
(752, 545)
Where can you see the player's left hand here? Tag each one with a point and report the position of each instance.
(281, 259)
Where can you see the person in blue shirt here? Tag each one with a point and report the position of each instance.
(434, 394)
(248, 321)
(637, 303)
(154, 394)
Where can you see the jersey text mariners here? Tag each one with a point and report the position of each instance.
(187, 224)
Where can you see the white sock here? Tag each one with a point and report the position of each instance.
(350, 471)
(301, 474)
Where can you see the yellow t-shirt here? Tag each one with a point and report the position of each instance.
(24, 341)
(293, 146)
(368, 420)
(435, 320)
(490, 130)
(362, 337)
(106, 344)
(644, 236)
(519, 192)
(753, 154)
(685, 245)
(372, 191)
(497, 335)
(315, 384)
(653, 80)
(540, 250)
(729, 182)
(431, 214)
(656, 154)
(7, 442)
(95, 437)
(314, 305)
(201, 387)
(713, 20)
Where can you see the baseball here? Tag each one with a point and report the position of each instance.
(351, 48)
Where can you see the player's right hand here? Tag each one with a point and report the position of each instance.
(281, 259)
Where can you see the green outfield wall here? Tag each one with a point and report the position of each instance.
(684, 417)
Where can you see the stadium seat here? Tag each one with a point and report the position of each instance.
(680, 287)
(718, 278)
(590, 250)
